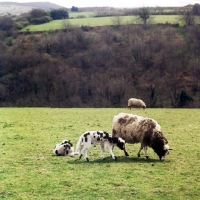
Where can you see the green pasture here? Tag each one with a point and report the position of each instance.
(77, 14)
(28, 169)
(100, 21)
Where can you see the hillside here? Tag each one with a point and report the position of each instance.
(102, 67)
(14, 8)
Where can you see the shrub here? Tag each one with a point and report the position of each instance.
(9, 41)
(59, 14)
(41, 20)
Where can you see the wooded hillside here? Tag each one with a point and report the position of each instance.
(102, 67)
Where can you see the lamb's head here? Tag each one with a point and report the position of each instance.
(117, 141)
(67, 146)
(67, 142)
(121, 143)
(160, 145)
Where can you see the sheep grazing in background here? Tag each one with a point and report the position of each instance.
(65, 148)
(105, 140)
(135, 129)
(136, 103)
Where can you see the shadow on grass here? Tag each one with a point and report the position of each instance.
(121, 159)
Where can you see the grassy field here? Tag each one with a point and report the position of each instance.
(28, 169)
(100, 21)
(77, 14)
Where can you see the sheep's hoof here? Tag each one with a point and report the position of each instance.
(147, 157)
(115, 158)
(138, 155)
(87, 159)
(80, 156)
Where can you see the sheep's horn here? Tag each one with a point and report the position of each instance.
(171, 149)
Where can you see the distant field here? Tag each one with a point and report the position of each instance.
(77, 14)
(28, 169)
(100, 21)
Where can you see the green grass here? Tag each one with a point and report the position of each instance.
(77, 14)
(28, 169)
(98, 21)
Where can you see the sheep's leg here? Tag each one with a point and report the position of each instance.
(145, 152)
(141, 147)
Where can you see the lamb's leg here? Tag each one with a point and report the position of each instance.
(109, 149)
(102, 151)
(126, 153)
(79, 153)
(84, 153)
(86, 147)
(112, 149)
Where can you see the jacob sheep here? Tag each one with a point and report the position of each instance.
(105, 140)
(135, 129)
(137, 103)
(65, 148)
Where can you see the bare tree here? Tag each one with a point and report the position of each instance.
(188, 18)
(144, 15)
(66, 25)
(117, 20)
(107, 34)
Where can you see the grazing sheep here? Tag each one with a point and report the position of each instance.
(105, 140)
(135, 129)
(65, 148)
(137, 103)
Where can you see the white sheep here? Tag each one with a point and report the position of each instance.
(137, 103)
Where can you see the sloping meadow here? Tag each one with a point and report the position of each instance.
(29, 170)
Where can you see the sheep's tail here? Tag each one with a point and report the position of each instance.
(78, 145)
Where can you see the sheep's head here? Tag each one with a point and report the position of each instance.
(160, 145)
